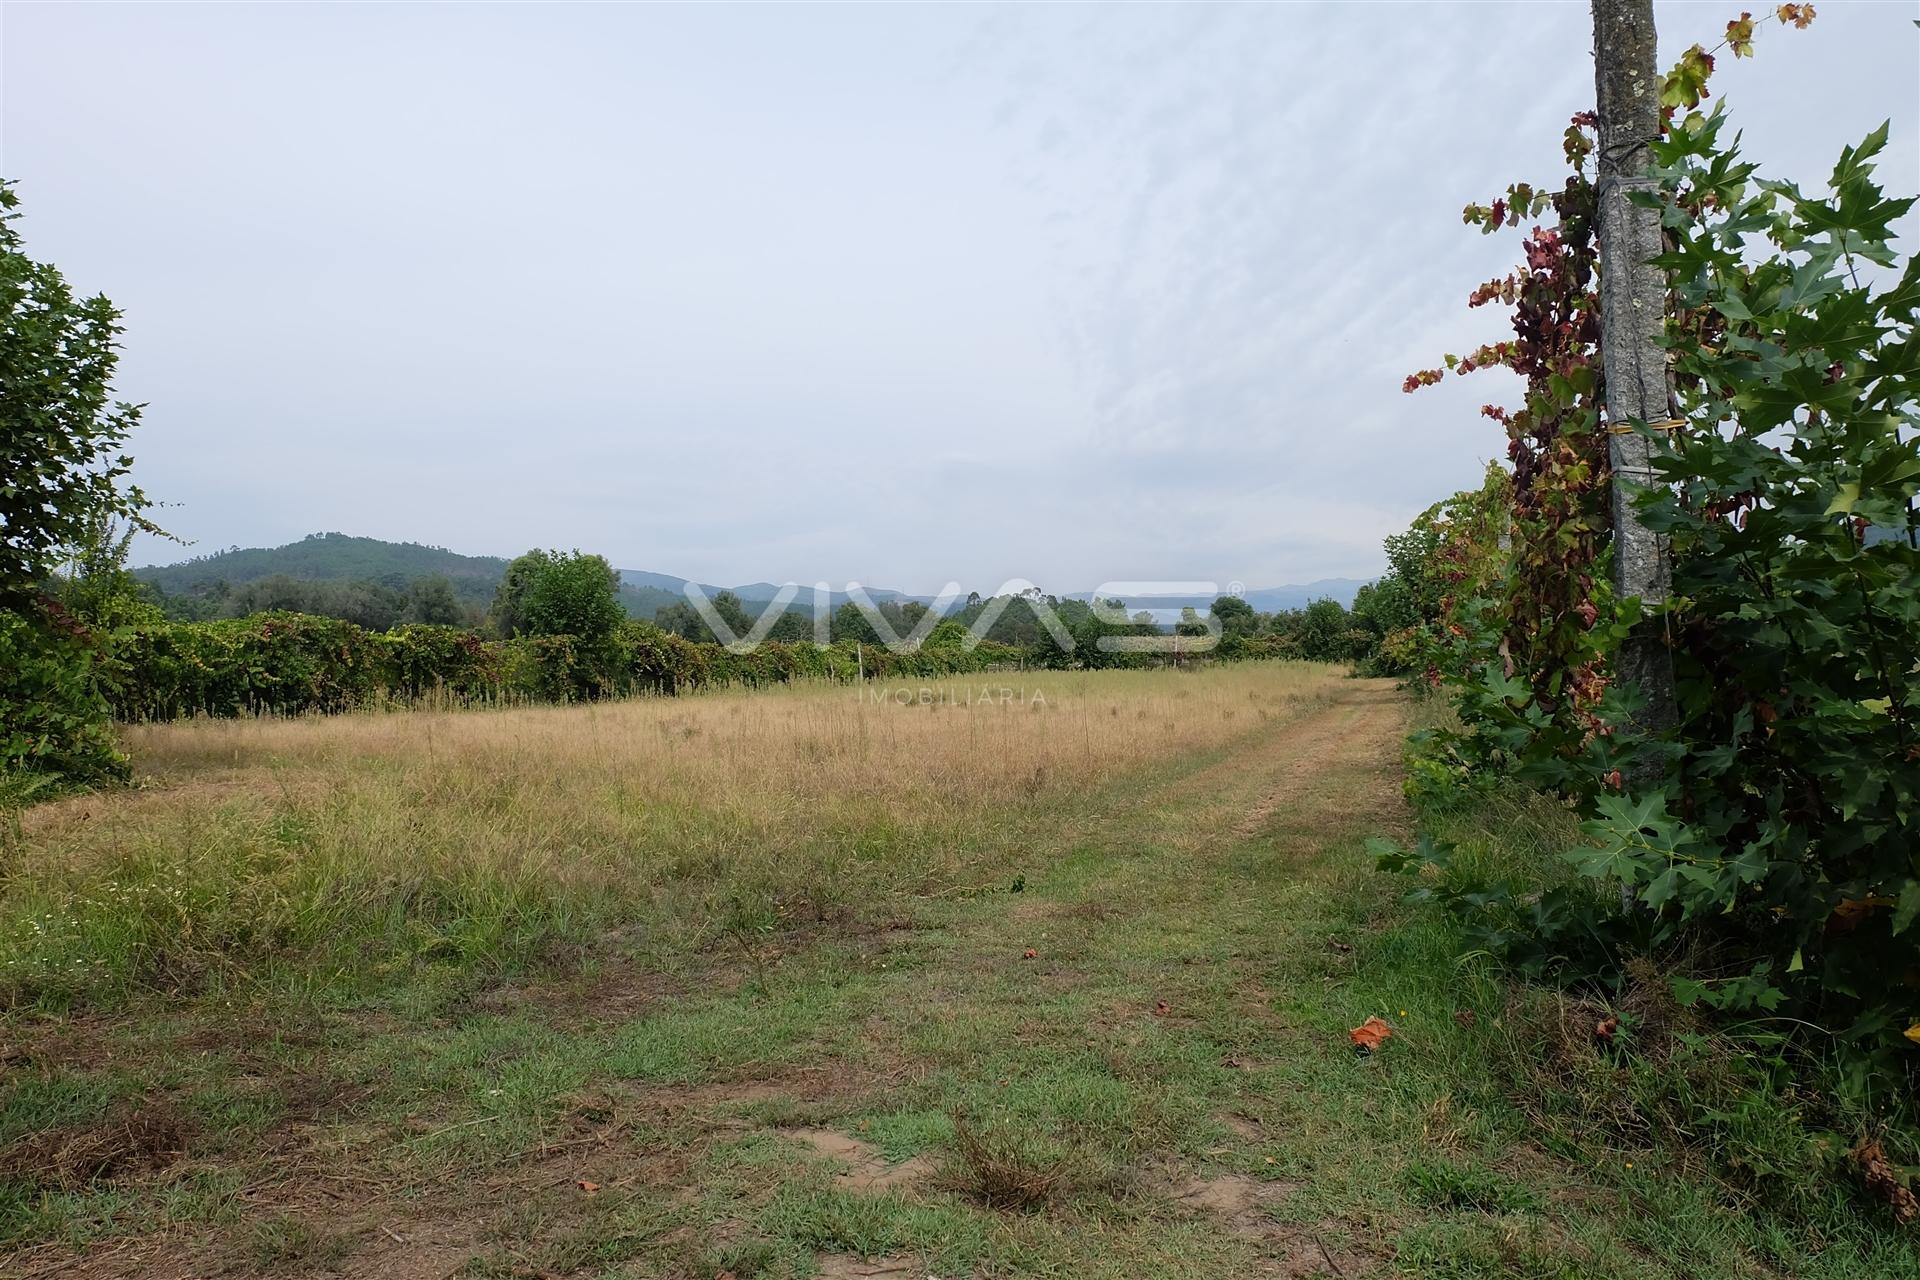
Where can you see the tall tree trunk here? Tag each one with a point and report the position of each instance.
(1633, 296)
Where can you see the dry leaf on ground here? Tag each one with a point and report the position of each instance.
(1371, 1034)
(1884, 1181)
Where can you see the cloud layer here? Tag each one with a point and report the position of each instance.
(899, 295)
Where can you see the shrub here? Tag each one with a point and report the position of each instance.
(285, 663)
(54, 715)
(1771, 821)
(424, 659)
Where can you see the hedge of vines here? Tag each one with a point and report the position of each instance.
(290, 663)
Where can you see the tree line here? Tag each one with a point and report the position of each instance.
(375, 604)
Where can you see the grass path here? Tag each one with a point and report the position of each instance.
(1127, 1059)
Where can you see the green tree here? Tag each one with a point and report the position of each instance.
(63, 472)
(680, 619)
(727, 605)
(431, 599)
(947, 635)
(559, 593)
(1323, 632)
(93, 584)
(1236, 616)
(905, 614)
(793, 626)
(62, 435)
(1412, 557)
(1385, 606)
(852, 625)
(365, 604)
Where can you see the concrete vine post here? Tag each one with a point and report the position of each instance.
(1633, 294)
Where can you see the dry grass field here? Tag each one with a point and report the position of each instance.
(1054, 982)
(491, 834)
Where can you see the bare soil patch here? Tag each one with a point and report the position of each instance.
(1292, 1251)
(863, 1168)
(840, 1266)
(1237, 1200)
(1243, 1127)
(401, 1247)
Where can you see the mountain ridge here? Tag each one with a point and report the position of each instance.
(341, 557)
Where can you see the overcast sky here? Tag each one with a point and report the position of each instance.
(891, 294)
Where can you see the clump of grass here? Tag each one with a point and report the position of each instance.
(829, 1220)
(281, 1241)
(1451, 1186)
(134, 1137)
(1006, 1167)
(744, 1259)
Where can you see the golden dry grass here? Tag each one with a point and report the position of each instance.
(980, 733)
(486, 831)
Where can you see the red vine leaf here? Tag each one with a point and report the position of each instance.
(1740, 36)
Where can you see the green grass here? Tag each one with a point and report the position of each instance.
(1164, 1088)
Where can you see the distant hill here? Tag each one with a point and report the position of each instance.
(332, 557)
(1263, 599)
(1268, 599)
(341, 557)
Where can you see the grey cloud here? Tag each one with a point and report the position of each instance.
(899, 294)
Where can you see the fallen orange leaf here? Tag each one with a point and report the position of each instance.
(1371, 1034)
(588, 1187)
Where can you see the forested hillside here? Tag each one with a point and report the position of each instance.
(360, 574)
(331, 557)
